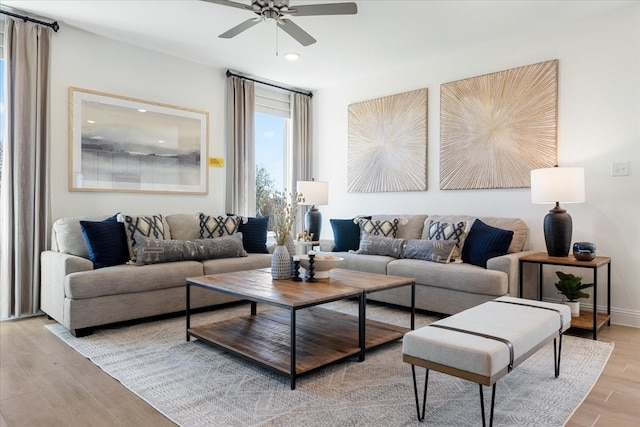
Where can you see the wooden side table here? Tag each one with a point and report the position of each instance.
(588, 320)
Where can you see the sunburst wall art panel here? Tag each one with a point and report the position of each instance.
(496, 128)
(388, 144)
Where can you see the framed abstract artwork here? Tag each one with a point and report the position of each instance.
(387, 144)
(118, 143)
(496, 128)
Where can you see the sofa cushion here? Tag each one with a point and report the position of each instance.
(106, 242)
(519, 227)
(154, 251)
(484, 242)
(217, 226)
(447, 231)
(367, 263)
(254, 234)
(226, 265)
(152, 226)
(377, 245)
(125, 279)
(68, 237)
(454, 276)
(429, 250)
(183, 226)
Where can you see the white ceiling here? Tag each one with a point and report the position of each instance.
(383, 35)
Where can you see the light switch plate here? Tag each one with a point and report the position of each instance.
(620, 169)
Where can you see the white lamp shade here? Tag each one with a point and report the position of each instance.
(314, 192)
(562, 185)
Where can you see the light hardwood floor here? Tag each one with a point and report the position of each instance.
(43, 382)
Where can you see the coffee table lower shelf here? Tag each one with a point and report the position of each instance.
(322, 337)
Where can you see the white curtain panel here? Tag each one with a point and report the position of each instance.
(241, 174)
(24, 203)
(301, 150)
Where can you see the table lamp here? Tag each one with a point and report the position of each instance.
(314, 193)
(557, 185)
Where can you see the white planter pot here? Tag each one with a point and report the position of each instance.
(575, 308)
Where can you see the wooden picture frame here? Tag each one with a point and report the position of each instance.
(118, 143)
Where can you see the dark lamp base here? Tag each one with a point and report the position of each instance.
(558, 228)
(313, 222)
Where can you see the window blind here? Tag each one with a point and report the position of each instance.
(273, 101)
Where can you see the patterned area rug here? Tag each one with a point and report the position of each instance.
(194, 384)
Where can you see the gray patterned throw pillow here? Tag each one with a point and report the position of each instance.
(377, 245)
(429, 250)
(154, 251)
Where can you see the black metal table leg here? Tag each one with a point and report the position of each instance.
(187, 311)
(413, 306)
(362, 321)
(253, 308)
(595, 303)
(293, 349)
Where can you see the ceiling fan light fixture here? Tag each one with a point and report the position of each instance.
(292, 56)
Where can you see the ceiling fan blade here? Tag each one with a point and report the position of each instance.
(296, 32)
(230, 3)
(324, 9)
(239, 28)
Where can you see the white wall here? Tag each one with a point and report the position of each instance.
(598, 123)
(87, 61)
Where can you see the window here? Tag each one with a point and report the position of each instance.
(272, 144)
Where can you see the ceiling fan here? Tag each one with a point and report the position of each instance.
(276, 10)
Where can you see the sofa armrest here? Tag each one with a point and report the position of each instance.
(55, 266)
(509, 264)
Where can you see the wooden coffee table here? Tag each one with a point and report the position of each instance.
(294, 341)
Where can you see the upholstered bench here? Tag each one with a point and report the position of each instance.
(484, 343)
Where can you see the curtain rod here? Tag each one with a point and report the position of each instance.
(253, 79)
(53, 25)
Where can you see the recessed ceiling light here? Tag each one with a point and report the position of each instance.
(142, 110)
(91, 121)
(292, 56)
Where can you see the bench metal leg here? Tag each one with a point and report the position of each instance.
(415, 392)
(557, 354)
(493, 401)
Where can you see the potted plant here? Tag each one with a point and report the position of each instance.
(571, 287)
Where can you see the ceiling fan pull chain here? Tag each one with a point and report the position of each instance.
(276, 27)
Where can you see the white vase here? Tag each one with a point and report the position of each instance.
(280, 263)
(575, 308)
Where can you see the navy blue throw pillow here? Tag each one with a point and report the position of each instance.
(254, 234)
(484, 242)
(106, 241)
(346, 234)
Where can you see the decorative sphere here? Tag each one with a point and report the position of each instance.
(584, 251)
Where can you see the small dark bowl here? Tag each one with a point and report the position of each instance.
(584, 251)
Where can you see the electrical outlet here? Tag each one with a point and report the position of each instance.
(620, 169)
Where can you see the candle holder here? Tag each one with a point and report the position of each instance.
(296, 270)
(311, 271)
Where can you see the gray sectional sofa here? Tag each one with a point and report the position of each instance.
(82, 297)
(444, 288)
